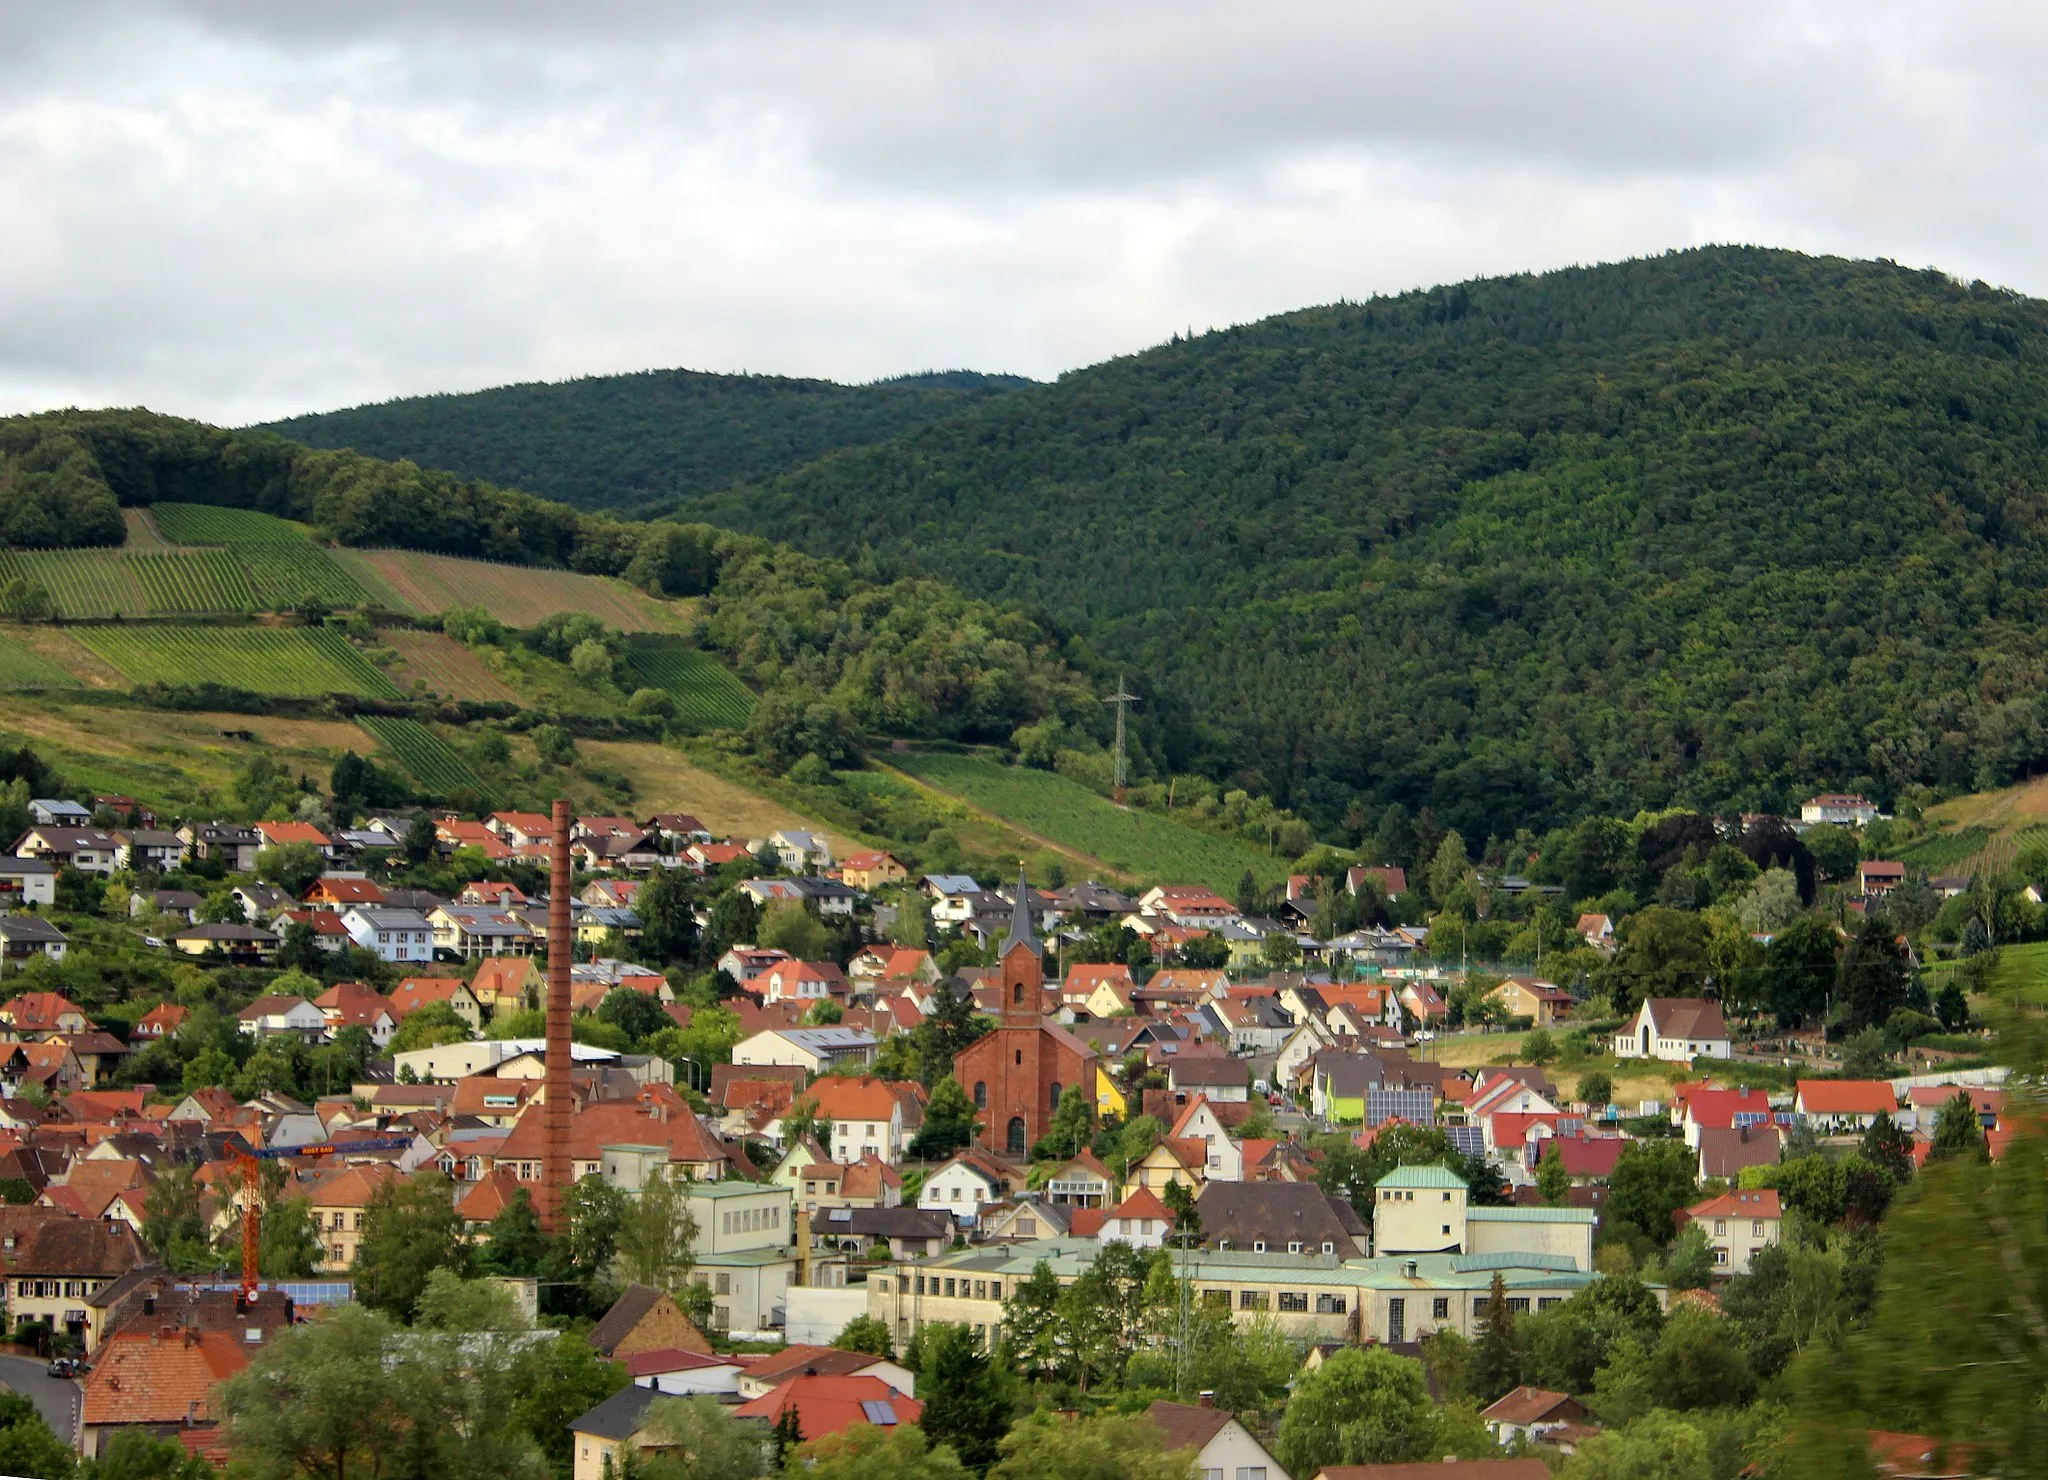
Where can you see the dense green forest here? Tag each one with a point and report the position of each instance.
(623, 441)
(837, 656)
(1713, 528)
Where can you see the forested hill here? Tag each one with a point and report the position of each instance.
(622, 441)
(1717, 527)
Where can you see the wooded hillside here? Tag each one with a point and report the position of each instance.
(1717, 527)
(621, 441)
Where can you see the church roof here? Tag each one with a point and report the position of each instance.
(1021, 932)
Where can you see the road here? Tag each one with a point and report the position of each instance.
(56, 1398)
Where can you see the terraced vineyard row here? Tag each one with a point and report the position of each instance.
(82, 583)
(288, 571)
(431, 760)
(295, 662)
(707, 694)
(22, 669)
(192, 582)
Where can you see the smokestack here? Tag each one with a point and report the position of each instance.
(554, 1166)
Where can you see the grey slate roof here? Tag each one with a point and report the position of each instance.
(619, 1416)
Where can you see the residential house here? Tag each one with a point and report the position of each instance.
(416, 992)
(402, 937)
(52, 1261)
(676, 1373)
(877, 966)
(1140, 1220)
(1737, 1224)
(241, 944)
(259, 901)
(56, 812)
(88, 849)
(910, 1233)
(1730, 1152)
(1098, 990)
(1081, 1182)
(282, 1017)
(1224, 1448)
(1838, 809)
(285, 834)
(329, 934)
(968, 1183)
(1834, 1107)
(231, 843)
(27, 881)
(801, 852)
(1279, 1217)
(338, 893)
(339, 1202)
(802, 1359)
(1541, 1002)
(161, 1021)
(177, 904)
(820, 1184)
(801, 981)
(1423, 1003)
(1677, 1030)
(746, 964)
(145, 850)
(678, 827)
(1876, 877)
(1531, 1413)
(954, 897)
(1218, 1076)
(507, 984)
(645, 1319)
(35, 1016)
(1200, 1122)
(1393, 882)
(815, 1050)
(609, 1440)
(355, 1005)
(1597, 931)
(476, 931)
(871, 871)
(867, 1120)
(159, 1381)
(832, 1405)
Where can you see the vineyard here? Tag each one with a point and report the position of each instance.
(209, 524)
(707, 694)
(192, 582)
(1132, 842)
(520, 595)
(430, 760)
(22, 669)
(445, 666)
(293, 662)
(287, 572)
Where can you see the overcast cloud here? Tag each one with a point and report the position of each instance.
(246, 208)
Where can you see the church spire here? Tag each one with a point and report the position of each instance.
(1021, 932)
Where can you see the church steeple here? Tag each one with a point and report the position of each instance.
(1021, 933)
(1022, 962)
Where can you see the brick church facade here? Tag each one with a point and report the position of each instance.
(1017, 1074)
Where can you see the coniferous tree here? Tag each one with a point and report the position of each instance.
(1497, 1355)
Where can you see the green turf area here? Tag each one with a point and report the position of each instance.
(2021, 970)
(209, 524)
(1134, 842)
(22, 669)
(707, 694)
(295, 662)
(431, 760)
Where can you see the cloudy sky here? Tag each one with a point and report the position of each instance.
(236, 209)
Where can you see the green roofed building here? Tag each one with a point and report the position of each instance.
(1426, 1210)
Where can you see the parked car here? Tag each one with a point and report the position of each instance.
(63, 1367)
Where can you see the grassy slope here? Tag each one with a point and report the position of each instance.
(1130, 842)
(616, 441)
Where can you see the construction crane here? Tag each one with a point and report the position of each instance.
(251, 1163)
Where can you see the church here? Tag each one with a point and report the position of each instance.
(1017, 1074)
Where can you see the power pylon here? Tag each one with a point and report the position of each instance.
(1122, 699)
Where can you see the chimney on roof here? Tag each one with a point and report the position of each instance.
(1206, 1399)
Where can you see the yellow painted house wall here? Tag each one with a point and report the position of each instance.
(1109, 1100)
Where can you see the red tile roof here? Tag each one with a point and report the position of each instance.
(1761, 1202)
(828, 1405)
(416, 992)
(1847, 1097)
(38, 1012)
(275, 833)
(144, 1376)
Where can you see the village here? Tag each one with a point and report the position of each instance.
(856, 1138)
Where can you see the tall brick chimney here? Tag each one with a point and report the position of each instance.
(560, 1091)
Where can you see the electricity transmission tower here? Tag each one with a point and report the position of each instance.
(1122, 699)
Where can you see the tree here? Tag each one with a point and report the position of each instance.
(422, 840)
(1874, 977)
(967, 1403)
(1661, 952)
(1071, 1128)
(292, 867)
(787, 925)
(173, 1225)
(1362, 1406)
(1951, 1006)
(865, 1452)
(700, 1440)
(668, 917)
(866, 1334)
(1497, 1354)
(27, 1447)
(657, 1242)
(1553, 1182)
(1835, 851)
(636, 1014)
(1539, 1047)
(410, 1229)
(560, 1380)
(1658, 1446)
(288, 1246)
(1651, 1181)
(25, 600)
(136, 1454)
(1771, 903)
(514, 1244)
(950, 1027)
(1699, 1361)
(1596, 1088)
(1029, 1318)
(1888, 1145)
(428, 1027)
(1957, 1130)
(1108, 1447)
(1689, 1262)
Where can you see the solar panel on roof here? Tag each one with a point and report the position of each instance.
(1470, 1140)
(1416, 1106)
(878, 1413)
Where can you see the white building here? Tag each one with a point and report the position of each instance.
(813, 1049)
(1677, 1030)
(1839, 809)
(395, 935)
